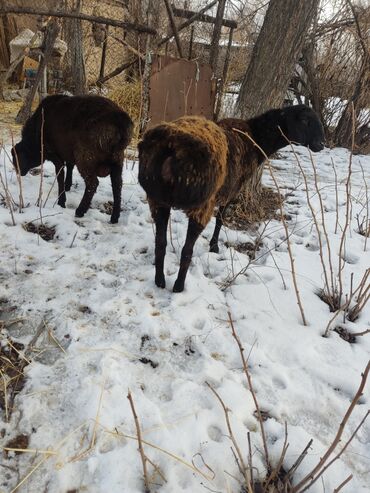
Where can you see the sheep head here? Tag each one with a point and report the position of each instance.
(301, 125)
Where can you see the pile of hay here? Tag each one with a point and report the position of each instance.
(128, 97)
(246, 213)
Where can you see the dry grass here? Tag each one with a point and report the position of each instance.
(128, 97)
(12, 379)
(8, 112)
(245, 213)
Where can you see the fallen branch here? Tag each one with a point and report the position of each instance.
(129, 26)
(140, 442)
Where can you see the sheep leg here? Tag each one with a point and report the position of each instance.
(91, 184)
(213, 244)
(160, 216)
(68, 182)
(59, 170)
(194, 230)
(116, 180)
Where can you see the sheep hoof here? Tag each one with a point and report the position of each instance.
(178, 287)
(62, 204)
(79, 213)
(213, 247)
(160, 282)
(114, 219)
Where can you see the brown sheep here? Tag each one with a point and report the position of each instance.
(90, 132)
(194, 164)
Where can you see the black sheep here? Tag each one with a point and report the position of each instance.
(194, 164)
(90, 132)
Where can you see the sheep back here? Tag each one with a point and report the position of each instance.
(78, 128)
(182, 164)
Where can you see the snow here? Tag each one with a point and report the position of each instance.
(93, 285)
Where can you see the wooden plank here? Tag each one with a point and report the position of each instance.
(173, 27)
(187, 14)
(188, 22)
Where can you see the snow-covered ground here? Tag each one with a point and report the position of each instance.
(109, 329)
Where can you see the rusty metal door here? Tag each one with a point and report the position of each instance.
(179, 87)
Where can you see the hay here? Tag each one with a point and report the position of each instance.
(243, 213)
(128, 97)
(12, 379)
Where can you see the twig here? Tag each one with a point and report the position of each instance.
(330, 292)
(231, 434)
(358, 334)
(52, 336)
(52, 185)
(30, 451)
(39, 199)
(348, 203)
(140, 443)
(247, 374)
(298, 462)
(367, 226)
(347, 480)
(73, 239)
(277, 468)
(323, 224)
(96, 421)
(19, 176)
(7, 199)
(299, 302)
(322, 461)
(339, 453)
(5, 395)
(336, 198)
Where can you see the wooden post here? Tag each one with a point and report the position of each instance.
(51, 33)
(224, 75)
(103, 54)
(173, 27)
(191, 43)
(213, 55)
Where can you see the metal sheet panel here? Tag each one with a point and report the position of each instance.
(179, 87)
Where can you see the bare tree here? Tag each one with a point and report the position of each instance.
(361, 92)
(275, 53)
(270, 70)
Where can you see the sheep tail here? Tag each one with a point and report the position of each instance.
(125, 128)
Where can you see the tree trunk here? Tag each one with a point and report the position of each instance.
(8, 31)
(361, 92)
(213, 55)
(75, 63)
(274, 55)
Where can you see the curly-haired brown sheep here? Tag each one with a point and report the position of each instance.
(194, 164)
